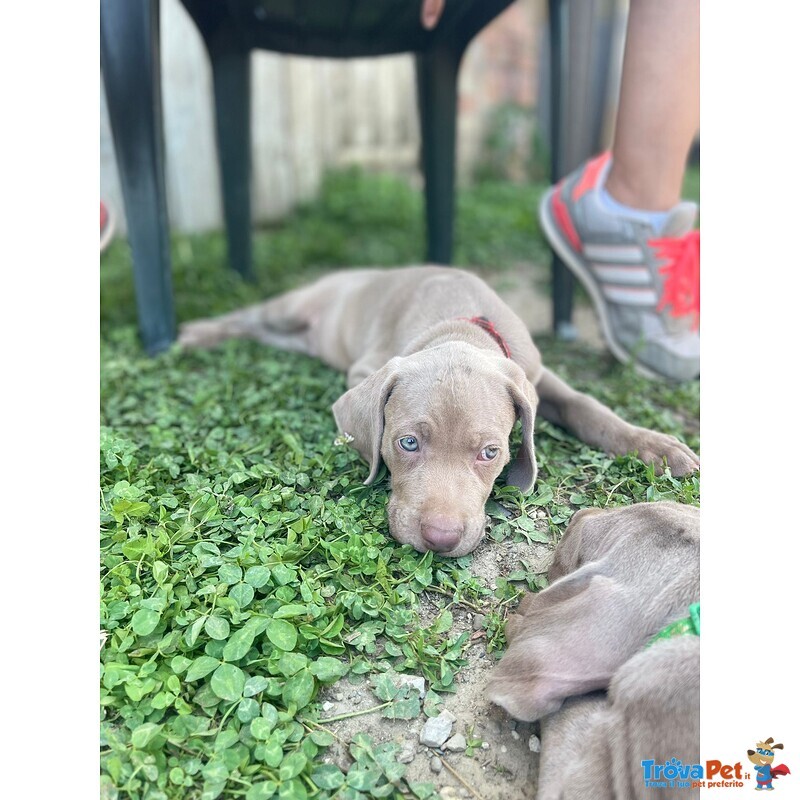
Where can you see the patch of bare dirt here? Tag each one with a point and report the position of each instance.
(502, 763)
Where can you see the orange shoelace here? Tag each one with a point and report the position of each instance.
(681, 272)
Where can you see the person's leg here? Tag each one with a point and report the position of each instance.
(659, 104)
(617, 221)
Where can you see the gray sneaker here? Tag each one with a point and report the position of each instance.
(645, 288)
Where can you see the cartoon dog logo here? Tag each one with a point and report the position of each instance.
(762, 757)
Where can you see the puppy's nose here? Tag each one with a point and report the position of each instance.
(441, 533)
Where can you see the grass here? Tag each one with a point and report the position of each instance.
(244, 564)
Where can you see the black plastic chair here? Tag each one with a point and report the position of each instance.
(129, 46)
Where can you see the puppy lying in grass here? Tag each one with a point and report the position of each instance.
(583, 659)
(439, 369)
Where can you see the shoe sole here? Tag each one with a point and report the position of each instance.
(575, 266)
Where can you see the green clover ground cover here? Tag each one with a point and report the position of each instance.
(243, 563)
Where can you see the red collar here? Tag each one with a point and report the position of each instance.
(488, 326)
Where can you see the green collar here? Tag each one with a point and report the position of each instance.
(688, 626)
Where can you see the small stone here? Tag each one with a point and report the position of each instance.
(448, 793)
(511, 724)
(416, 681)
(477, 622)
(456, 744)
(338, 697)
(515, 736)
(484, 745)
(437, 729)
(503, 749)
(493, 727)
(462, 792)
(436, 764)
(541, 559)
(407, 754)
(327, 705)
(534, 745)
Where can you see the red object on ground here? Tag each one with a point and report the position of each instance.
(106, 226)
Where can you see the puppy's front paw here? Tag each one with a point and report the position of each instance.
(200, 333)
(653, 447)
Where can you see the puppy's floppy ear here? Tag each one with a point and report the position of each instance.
(522, 472)
(359, 412)
(554, 650)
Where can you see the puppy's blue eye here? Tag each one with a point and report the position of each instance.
(408, 443)
(488, 453)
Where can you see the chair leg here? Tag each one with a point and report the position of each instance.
(563, 282)
(580, 52)
(437, 94)
(231, 70)
(130, 59)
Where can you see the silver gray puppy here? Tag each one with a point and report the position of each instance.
(619, 577)
(439, 369)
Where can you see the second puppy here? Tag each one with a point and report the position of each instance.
(582, 658)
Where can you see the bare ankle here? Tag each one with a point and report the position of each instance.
(640, 190)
